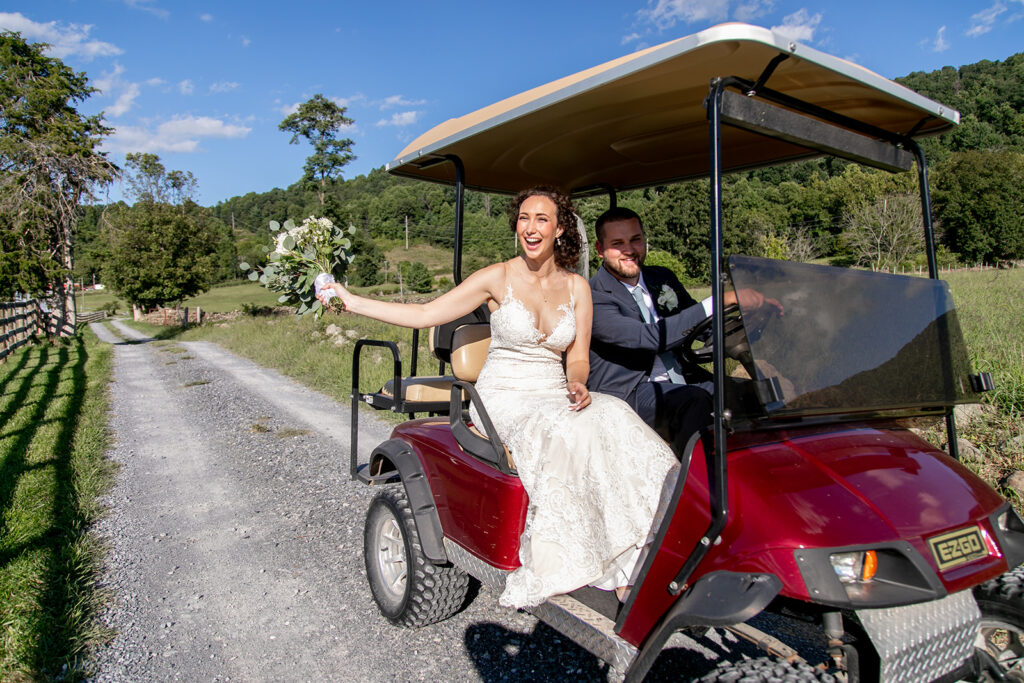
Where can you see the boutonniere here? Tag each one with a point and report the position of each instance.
(667, 299)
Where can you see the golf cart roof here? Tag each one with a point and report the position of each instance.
(640, 120)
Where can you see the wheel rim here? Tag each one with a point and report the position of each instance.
(1005, 642)
(391, 560)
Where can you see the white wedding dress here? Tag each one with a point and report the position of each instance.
(594, 477)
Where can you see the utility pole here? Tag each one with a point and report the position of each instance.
(406, 232)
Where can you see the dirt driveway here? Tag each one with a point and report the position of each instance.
(235, 543)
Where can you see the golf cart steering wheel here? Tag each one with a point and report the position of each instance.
(735, 337)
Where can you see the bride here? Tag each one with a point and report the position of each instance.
(593, 470)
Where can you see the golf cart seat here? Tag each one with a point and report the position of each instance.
(470, 344)
(426, 394)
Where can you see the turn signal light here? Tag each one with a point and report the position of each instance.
(856, 566)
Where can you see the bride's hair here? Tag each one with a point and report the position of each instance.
(570, 244)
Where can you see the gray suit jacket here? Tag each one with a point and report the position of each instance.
(623, 346)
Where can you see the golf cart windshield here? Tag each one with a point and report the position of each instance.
(849, 342)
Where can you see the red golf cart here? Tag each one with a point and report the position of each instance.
(809, 497)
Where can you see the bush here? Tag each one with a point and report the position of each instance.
(657, 257)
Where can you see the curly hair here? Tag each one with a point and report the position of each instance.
(570, 244)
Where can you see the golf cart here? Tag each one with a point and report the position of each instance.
(809, 497)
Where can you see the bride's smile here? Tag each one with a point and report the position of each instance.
(537, 227)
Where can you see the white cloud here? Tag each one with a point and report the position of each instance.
(665, 13)
(799, 25)
(752, 9)
(405, 118)
(180, 134)
(65, 40)
(185, 87)
(399, 101)
(632, 37)
(154, 82)
(223, 86)
(940, 44)
(124, 92)
(346, 102)
(286, 109)
(983, 21)
(245, 41)
(206, 17)
(148, 6)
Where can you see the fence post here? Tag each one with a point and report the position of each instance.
(184, 317)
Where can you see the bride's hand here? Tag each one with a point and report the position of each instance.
(579, 397)
(341, 293)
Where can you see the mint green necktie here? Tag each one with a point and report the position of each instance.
(667, 357)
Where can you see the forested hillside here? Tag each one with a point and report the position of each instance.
(818, 209)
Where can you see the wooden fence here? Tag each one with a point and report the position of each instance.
(19, 320)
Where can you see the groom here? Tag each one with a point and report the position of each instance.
(641, 314)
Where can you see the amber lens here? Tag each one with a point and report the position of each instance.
(870, 565)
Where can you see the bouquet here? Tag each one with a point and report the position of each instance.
(304, 258)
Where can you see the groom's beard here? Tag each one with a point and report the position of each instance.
(627, 271)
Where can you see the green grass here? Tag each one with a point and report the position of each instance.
(53, 435)
(221, 299)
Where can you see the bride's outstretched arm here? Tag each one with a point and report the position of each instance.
(482, 285)
(577, 356)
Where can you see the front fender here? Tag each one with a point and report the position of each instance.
(397, 455)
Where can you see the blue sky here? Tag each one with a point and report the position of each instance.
(204, 84)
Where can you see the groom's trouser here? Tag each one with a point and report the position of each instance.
(675, 411)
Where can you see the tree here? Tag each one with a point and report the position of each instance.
(367, 267)
(978, 203)
(149, 181)
(50, 163)
(319, 121)
(885, 233)
(416, 276)
(158, 253)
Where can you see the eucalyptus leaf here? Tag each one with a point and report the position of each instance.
(282, 299)
(254, 276)
(243, 266)
(288, 242)
(289, 224)
(346, 243)
(263, 279)
(316, 305)
(275, 256)
(275, 226)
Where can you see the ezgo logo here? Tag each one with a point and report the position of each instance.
(957, 547)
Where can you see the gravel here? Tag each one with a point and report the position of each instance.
(235, 544)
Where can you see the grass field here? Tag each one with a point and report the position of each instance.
(220, 299)
(53, 435)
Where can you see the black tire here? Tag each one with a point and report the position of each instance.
(764, 670)
(409, 590)
(1001, 602)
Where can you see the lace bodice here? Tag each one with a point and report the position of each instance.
(513, 325)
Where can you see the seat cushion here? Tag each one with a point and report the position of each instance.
(423, 389)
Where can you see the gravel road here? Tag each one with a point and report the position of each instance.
(235, 543)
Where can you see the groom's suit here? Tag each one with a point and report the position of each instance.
(623, 348)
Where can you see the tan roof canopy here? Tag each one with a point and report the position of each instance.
(639, 120)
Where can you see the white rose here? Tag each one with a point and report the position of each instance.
(667, 299)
